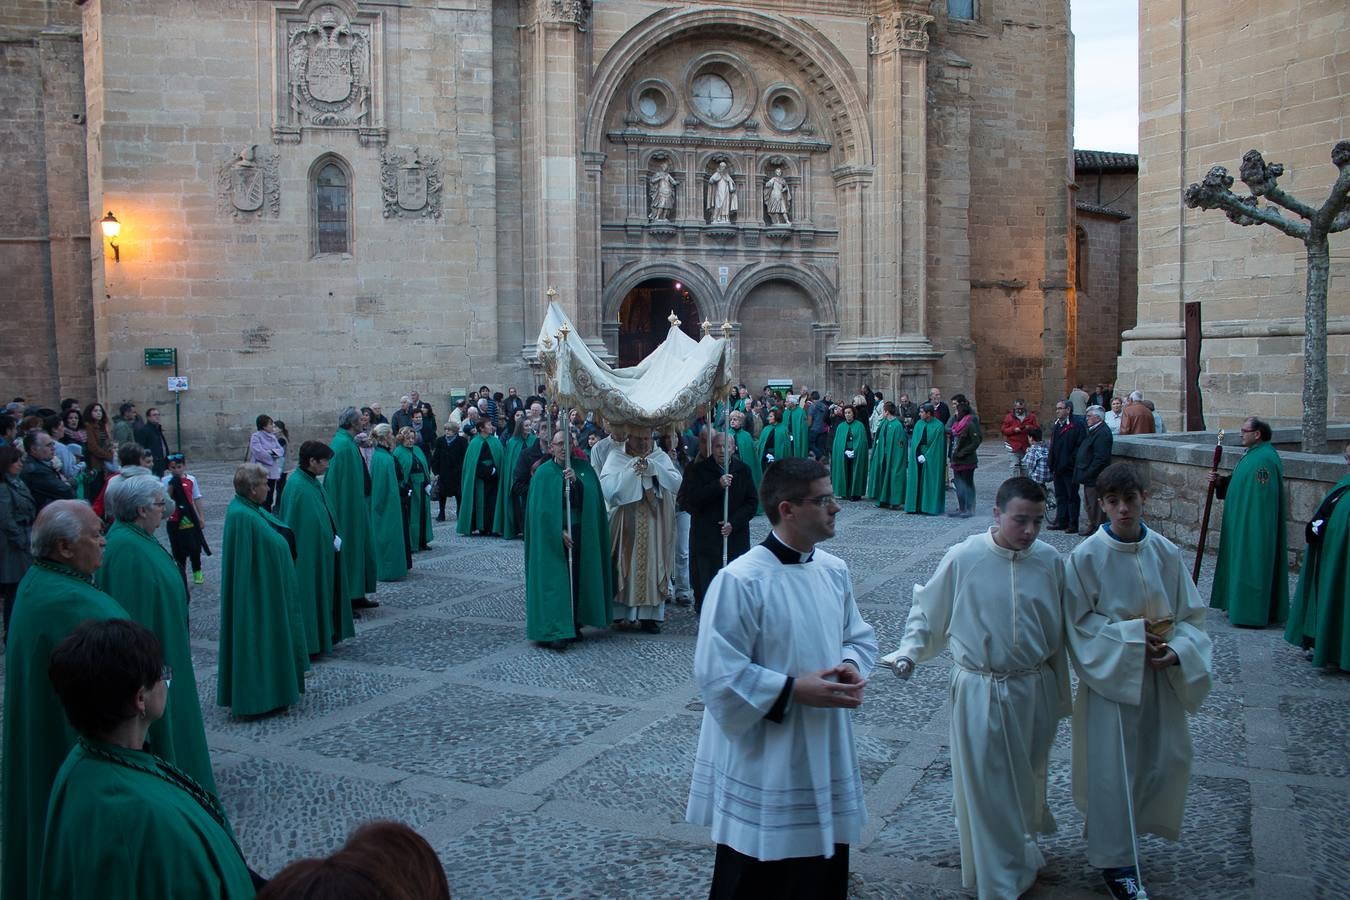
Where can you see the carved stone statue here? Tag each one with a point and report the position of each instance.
(661, 193)
(777, 198)
(722, 195)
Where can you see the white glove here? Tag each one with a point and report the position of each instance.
(769, 457)
(922, 458)
(427, 488)
(337, 542)
(903, 666)
(848, 454)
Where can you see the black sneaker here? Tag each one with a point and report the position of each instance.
(651, 626)
(1123, 883)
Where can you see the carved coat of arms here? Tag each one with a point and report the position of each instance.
(329, 62)
(248, 184)
(410, 180)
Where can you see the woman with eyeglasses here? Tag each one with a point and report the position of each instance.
(124, 822)
(139, 573)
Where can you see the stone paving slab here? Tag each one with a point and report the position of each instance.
(538, 774)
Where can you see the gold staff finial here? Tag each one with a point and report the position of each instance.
(564, 331)
(673, 319)
(726, 330)
(551, 292)
(707, 327)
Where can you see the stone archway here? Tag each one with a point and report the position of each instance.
(644, 317)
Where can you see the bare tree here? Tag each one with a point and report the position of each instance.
(1215, 192)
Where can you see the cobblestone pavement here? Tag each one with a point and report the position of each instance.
(539, 774)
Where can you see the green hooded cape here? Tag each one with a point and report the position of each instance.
(794, 418)
(779, 435)
(548, 592)
(386, 508)
(847, 488)
(306, 511)
(141, 575)
(347, 487)
(472, 496)
(1251, 581)
(749, 454)
(510, 527)
(1321, 610)
(418, 474)
(263, 657)
(126, 825)
(890, 463)
(51, 600)
(926, 485)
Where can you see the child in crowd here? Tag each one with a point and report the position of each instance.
(995, 602)
(1036, 464)
(1136, 631)
(184, 521)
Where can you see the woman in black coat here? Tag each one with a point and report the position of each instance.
(447, 463)
(17, 511)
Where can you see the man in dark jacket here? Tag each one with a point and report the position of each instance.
(1094, 454)
(1065, 436)
(43, 482)
(151, 437)
(702, 496)
(447, 461)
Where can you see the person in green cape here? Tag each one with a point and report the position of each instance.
(389, 508)
(1251, 581)
(890, 459)
(1319, 620)
(124, 822)
(512, 524)
(925, 472)
(479, 499)
(848, 457)
(347, 486)
(318, 550)
(745, 448)
(773, 441)
(262, 652)
(417, 475)
(554, 609)
(56, 594)
(139, 573)
(794, 419)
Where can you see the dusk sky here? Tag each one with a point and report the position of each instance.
(1106, 75)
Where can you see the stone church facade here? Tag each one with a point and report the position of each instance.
(330, 201)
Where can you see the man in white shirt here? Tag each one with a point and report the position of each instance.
(783, 655)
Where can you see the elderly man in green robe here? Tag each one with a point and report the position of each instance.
(1320, 618)
(139, 573)
(347, 486)
(479, 498)
(318, 550)
(926, 465)
(56, 594)
(745, 447)
(1251, 581)
(556, 606)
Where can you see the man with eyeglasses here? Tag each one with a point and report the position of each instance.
(782, 657)
(55, 595)
(1251, 581)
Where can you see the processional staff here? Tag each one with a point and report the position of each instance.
(1209, 503)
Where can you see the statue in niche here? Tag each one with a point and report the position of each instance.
(722, 195)
(661, 187)
(777, 197)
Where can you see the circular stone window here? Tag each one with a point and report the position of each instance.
(721, 89)
(784, 107)
(653, 101)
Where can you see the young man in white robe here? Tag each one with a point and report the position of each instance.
(1136, 634)
(995, 602)
(640, 485)
(782, 657)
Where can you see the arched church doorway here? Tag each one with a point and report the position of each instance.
(644, 315)
(776, 336)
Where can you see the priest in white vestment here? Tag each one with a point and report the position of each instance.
(782, 659)
(640, 484)
(1136, 633)
(995, 603)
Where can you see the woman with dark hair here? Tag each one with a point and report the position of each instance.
(265, 450)
(122, 822)
(773, 440)
(74, 427)
(306, 510)
(848, 456)
(100, 451)
(428, 435)
(262, 654)
(380, 861)
(17, 511)
(287, 461)
(966, 438)
(513, 519)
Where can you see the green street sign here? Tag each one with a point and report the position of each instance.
(156, 357)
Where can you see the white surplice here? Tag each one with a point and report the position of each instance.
(1111, 587)
(1000, 613)
(775, 790)
(642, 531)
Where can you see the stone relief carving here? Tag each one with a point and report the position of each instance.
(330, 72)
(410, 180)
(899, 31)
(661, 187)
(248, 183)
(576, 11)
(720, 195)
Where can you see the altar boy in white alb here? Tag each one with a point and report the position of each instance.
(995, 602)
(782, 658)
(1136, 632)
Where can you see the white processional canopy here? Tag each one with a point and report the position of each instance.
(665, 388)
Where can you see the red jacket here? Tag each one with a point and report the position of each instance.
(1015, 432)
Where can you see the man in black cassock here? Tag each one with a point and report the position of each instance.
(702, 494)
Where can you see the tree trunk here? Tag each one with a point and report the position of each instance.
(1315, 347)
